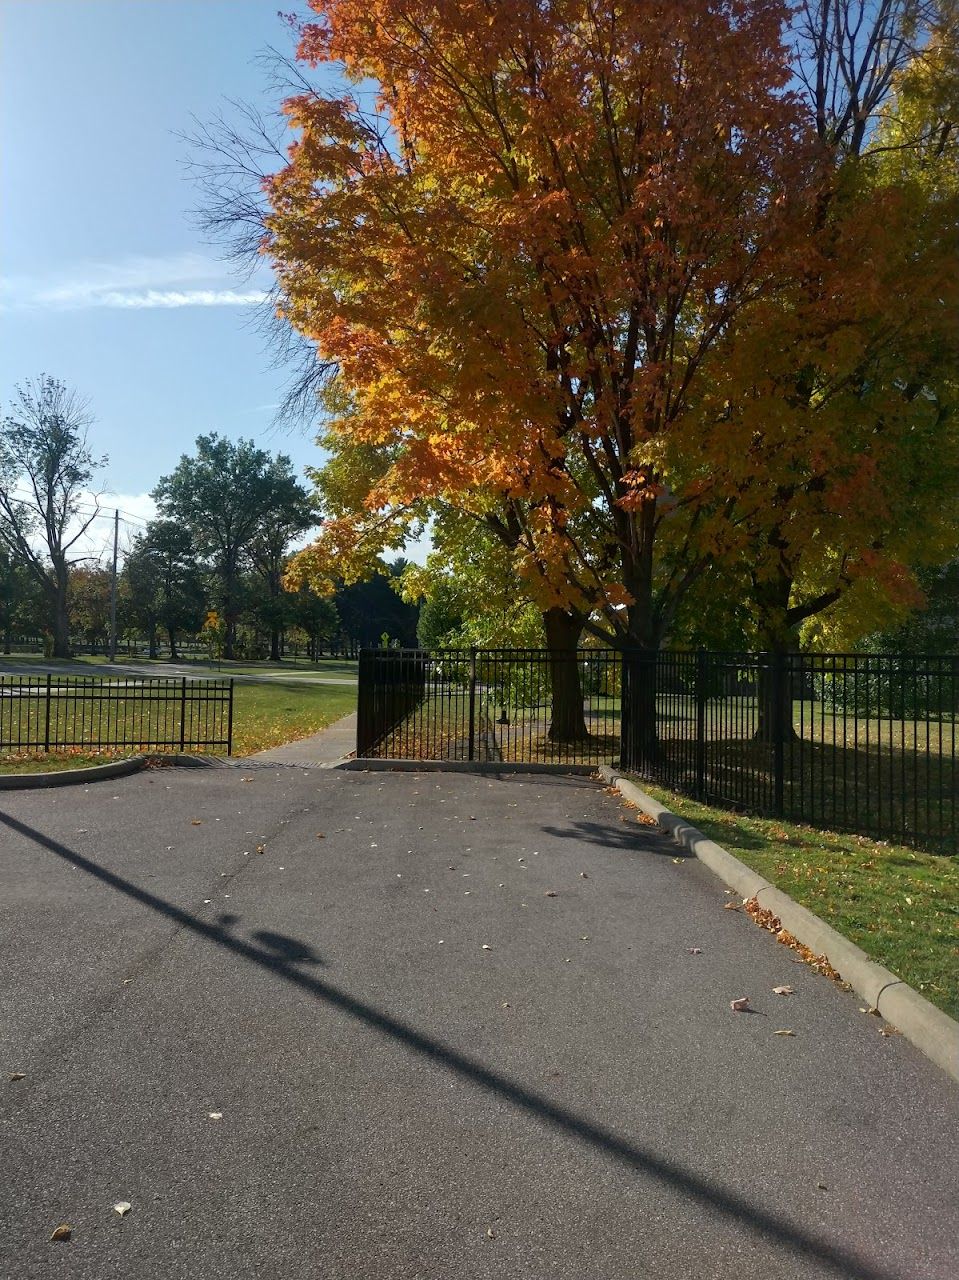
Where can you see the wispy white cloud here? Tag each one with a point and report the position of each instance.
(181, 298)
(132, 283)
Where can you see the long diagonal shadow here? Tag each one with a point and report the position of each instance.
(630, 1154)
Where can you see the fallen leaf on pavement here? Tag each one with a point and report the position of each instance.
(784, 1033)
(783, 991)
(730, 906)
(679, 860)
(216, 1115)
(695, 951)
(889, 1031)
(584, 875)
(261, 848)
(872, 1009)
(491, 1233)
(550, 893)
(487, 947)
(122, 1207)
(63, 1232)
(196, 822)
(18, 1075)
(739, 1004)
(320, 835)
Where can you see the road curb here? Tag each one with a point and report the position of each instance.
(933, 1032)
(99, 772)
(71, 777)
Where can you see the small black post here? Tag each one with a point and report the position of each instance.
(229, 723)
(46, 731)
(778, 676)
(471, 754)
(183, 714)
(701, 724)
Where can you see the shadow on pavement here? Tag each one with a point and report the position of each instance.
(279, 954)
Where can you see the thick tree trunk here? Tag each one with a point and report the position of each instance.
(777, 638)
(174, 656)
(61, 620)
(639, 741)
(275, 645)
(563, 629)
(152, 637)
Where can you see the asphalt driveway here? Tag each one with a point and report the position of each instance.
(442, 1027)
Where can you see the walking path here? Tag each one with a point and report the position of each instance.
(320, 751)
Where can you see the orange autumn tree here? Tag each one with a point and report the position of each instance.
(833, 462)
(520, 240)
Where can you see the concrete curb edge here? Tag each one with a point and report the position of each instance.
(933, 1032)
(99, 772)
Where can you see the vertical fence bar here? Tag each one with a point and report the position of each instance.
(779, 676)
(46, 730)
(229, 722)
(471, 749)
(183, 713)
(700, 690)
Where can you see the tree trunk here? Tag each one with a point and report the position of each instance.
(61, 619)
(563, 629)
(275, 644)
(774, 709)
(639, 741)
(152, 637)
(774, 697)
(174, 656)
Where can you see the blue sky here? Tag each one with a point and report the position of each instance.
(105, 280)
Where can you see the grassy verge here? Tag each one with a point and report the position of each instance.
(329, 668)
(55, 761)
(899, 905)
(267, 715)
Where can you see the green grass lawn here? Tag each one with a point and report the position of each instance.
(267, 715)
(901, 906)
(332, 668)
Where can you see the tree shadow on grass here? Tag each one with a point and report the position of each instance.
(688, 1184)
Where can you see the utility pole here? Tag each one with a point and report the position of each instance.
(113, 588)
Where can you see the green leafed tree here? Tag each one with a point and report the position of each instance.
(226, 495)
(46, 467)
(161, 587)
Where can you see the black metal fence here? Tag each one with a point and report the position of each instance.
(54, 713)
(856, 742)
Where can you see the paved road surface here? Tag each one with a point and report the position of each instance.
(397, 1102)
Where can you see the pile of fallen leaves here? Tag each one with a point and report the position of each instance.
(766, 919)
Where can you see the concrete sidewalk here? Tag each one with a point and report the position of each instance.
(444, 1027)
(320, 751)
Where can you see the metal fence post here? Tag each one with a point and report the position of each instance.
(229, 723)
(778, 681)
(701, 671)
(364, 699)
(471, 752)
(46, 730)
(183, 714)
